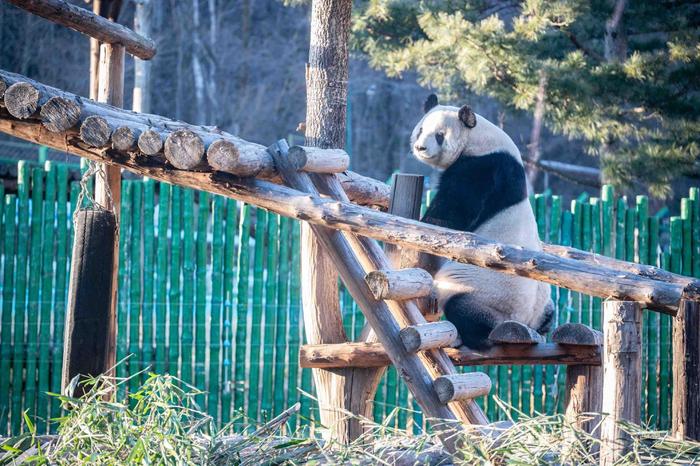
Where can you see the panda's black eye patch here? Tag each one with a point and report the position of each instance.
(440, 137)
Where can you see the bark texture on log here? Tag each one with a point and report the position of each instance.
(400, 284)
(373, 355)
(622, 375)
(432, 335)
(90, 24)
(315, 160)
(584, 397)
(686, 372)
(458, 387)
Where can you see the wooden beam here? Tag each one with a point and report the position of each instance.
(225, 152)
(373, 355)
(315, 160)
(90, 24)
(686, 372)
(458, 387)
(459, 246)
(622, 376)
(432, 335)
(400, 284)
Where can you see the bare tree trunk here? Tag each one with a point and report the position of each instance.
(535, 146)
(197, 72)
(326, 97)
(142, 68)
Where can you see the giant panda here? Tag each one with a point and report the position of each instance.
(483, 190)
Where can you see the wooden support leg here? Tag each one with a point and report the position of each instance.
(622, 375)
(686, 371)
(584, 390)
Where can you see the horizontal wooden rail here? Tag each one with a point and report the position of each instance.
(465, 247)
(373, 355)
(90, 24)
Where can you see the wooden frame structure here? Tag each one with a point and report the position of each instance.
(309, 186)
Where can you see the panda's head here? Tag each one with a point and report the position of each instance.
(444, 133)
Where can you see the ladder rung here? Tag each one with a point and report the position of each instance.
(432, 335)
(315, 160)
(511, 331)
(457, 387)
(400, 285)
(577, 334)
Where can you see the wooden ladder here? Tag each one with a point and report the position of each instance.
(445, 396)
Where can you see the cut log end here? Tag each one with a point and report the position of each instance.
(95, 131)
(577, 334)
(315, 160)
(222, 155)
(512, 332)
(124, 138)
(59, 114)
(432, 335)
(150, 142)
(456, 387)
(184, 149)
(21, 100)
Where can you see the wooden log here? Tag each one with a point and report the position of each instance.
(95, 131)
(462, 247)
(466, 386)
(584, 397)
(622, 375)
(150, 142)
(399, 284)
(184, 149)
(373, 355)
(686, 372)
(577, 334)
(242, 158)
(316, 160)
(428, 336)
(90, 24)
(512, 332)
(376, 312)
(21, 100)
(59, 114)
(125, 139)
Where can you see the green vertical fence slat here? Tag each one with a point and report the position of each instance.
(200, 317)
(19, 354)
(174, 290)
(217, 302)
(47, 275)
(295, 329)
(653, 334)
(135, 298)
(123, 277)
(257, 314)
(642, 219)
(189, 322)
(33, 305)
(8, 288)
(620, 210)
(687, 211)
(149, 236)
(161, 278)
(62, 263)
(270, 311)
(229, 275)
(694, 194)
(676, 254)
(598, 248)
(280, 397)
(241, 324)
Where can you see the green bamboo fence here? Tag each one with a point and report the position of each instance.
(209, 292)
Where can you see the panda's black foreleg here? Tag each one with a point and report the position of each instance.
(473, 323)
(547, 319)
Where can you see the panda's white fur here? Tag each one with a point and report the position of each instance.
(439, 139)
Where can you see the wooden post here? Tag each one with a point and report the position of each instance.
(622, 375)
(686, 371)
(108, 187)
(326, 96)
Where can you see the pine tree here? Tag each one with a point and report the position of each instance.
(621, 76)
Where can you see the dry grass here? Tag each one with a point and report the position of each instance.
(161, 424)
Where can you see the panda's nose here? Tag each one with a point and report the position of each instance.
(419, 148)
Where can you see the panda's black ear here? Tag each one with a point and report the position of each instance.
(467, 116)
(430, 102)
